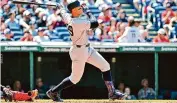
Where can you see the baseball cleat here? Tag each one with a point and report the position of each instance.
(54, 96)
(117, 95)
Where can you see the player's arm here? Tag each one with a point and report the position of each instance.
(92, 19)
(66, 17)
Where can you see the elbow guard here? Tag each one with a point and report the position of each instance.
(94, 24)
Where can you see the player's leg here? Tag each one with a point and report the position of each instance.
(98, 61)
(78, 64)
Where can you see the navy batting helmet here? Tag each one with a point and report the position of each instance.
(73, 5)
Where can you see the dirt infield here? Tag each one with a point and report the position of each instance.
(101, 101)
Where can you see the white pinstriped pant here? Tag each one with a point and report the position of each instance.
(80, 56)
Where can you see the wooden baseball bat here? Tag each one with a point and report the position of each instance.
(35, 3)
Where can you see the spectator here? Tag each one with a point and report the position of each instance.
(121, 87)
(106, 14)
(99, 30)
(7, 35)
(102, 2)
(19, 11)
(55, 19)
(37, 11)
(41, 37)
(24, 22)
(173, 21)
(173, 29)
(112, 29)
(3, 27)
(167, 30)
(128, 93)
(173, 2)
(41, 22)
(27, 36)
(89, 2)
(161, 37)
(32, 29)
(132, 33)
(137, 5)
(146, 92)
(118, 7)
(145, 36)
(17, 86)
(50, 9)
(138, 24)
(64, 2)
(121, 28)
(168, 14)
(42, 89)
(92, 35)
(12, 22)
(104, 34)
(121, 17)
(50, 32)
(6, 9)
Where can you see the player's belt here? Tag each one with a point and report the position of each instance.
(79, 46)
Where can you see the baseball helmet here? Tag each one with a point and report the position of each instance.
(73, 4)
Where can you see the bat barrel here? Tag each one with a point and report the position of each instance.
(35, 3)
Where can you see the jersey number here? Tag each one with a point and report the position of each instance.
(133, 35)
(70, 28)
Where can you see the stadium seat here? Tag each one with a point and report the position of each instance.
(18, 33)
(63, 34)
(67, 38)
(54, 37)
(92, 7)
(107, 40)
(95, 11)
(17, 38)
(57, 40)
(61, 29)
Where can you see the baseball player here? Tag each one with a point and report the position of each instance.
(10, 95)
(81, 52)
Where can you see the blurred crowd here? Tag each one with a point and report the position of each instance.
(40, 23)
(146, 92)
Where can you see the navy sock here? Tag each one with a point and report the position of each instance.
(63, 85)
(107, 75)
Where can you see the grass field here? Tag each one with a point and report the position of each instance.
(102, 101)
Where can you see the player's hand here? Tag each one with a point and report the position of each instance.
(85, 8)
(59, 6)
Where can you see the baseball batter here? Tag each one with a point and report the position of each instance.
(81, 52)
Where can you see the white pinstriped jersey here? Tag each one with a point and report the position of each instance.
(77, 27)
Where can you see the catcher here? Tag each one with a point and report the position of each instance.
(10, 95)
